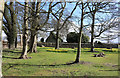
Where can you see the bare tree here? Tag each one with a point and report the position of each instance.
(80, 35)
(111, 31)
(62, 32)
(59, 17)
(94, 8)
(35, 19)
(33, 38)
(9, 22)
(37, 23)
(25, 33)
(82, 6)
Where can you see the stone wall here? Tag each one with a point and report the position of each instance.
(74, 45)
(69, 45)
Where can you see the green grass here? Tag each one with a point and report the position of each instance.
(45, 63)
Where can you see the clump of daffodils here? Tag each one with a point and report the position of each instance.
(56, 50)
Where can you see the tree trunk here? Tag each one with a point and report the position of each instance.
(11, 46)
(57, 36)
(33, 38)
(80, 37)
(57, 40)
(16, 42)
(33, 43)
(11, 40)
(12, 27)
(25, 33)
(92, 33)
(1, 24)
(79, 47)
(35, 35)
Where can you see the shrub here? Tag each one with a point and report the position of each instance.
(73, 37)
(42, 39)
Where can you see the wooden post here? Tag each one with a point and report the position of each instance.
(1, 18)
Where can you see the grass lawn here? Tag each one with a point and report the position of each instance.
(45, 63)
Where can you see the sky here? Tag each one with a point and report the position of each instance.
(103, 16)
(67, 0)
(78, 14)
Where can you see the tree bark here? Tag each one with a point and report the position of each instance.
(11, 41)
(80, 37)
(57, 36)
(57, 40)
(11, 45)
(92, 32)
(79, 47)
(16, 42)
(33, 43)
(13, 26)
(1, 24)
(25, 33)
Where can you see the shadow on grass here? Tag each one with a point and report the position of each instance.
(12, 65)
(52, 65)
(11, 51)
(91, 52)
(110, 70)
(9, 57)
(109, 51)
(88, 51)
